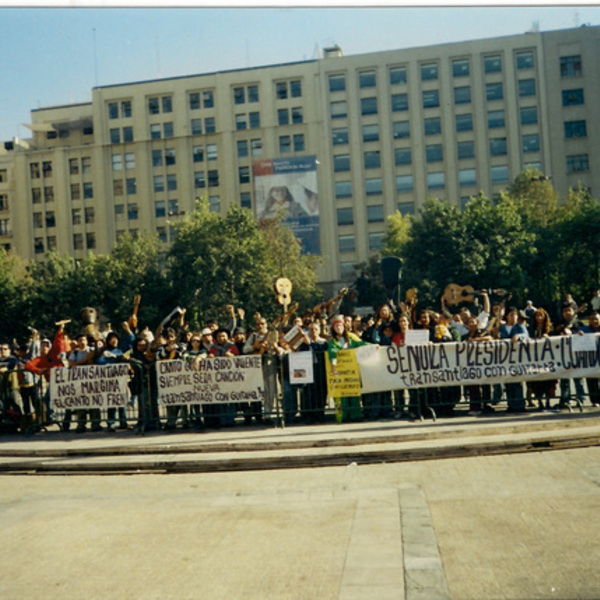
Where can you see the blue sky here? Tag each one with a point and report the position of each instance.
(56, 55)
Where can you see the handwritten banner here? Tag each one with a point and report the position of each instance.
(464, 363)
(210, 380)
(345, 382)
(89, 386)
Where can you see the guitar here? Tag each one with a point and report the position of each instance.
(325, 307)
(133, 320)
(455, 294)
(283, 288)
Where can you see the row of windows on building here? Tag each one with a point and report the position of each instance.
(205, 99)
(570, 66)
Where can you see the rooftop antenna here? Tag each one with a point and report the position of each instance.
(576, 18)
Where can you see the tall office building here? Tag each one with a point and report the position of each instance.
(381, 132)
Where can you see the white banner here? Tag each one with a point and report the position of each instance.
(89, 386)
(217, 380)
(465, 363)
(301, 367)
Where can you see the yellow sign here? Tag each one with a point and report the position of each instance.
(346, 380)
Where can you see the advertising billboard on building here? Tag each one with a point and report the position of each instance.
(289, 186)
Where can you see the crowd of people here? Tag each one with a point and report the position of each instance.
(25, 368)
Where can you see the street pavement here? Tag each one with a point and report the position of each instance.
(484, 525)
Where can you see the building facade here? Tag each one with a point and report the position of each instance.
(389, 129)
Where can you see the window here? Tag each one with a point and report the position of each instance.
(157, 158)
(297, 115)
(173, 207)
(244, 174)
(570, 66)
(159, 183)
(530, 143)
(211, 152)
(434, 153)
(47, 168)
(86, 165)
(130, 159)
(246, 200)
(494, 91)
(401, 129)
(160, 209)
(194, 99)
(36, 195)
(213, 178)
(372, 160)
(90, 215)
(239, 95)
(198, 153)
(367, 79)
(153, 106)
(368, 106)
(132, 211)
(155, 131)
(496, 119)
(252, 91)
(524, 61)
(283, 116)
(347, 271)
(431, 99)
(242, 149)
(404, 183)
(195, 126)
(343, 189)
(241, 122)
(128, 134)
(526, 88)
(90, 240)
(498, 146)
(575, 129)
(78, 241)
(402, 156)
(38, 221)
(285, 144)
(492, 64)
(462, 95)
(376, 241)
(161, 232)
(572, 97)
(131, 185)
(3, 202)
(199, 179)
(460, 68)
(341, 162)
(126, 110)
(433, 126)
(339, 110)
(254, 120)
(281, 90)
(208, 99)
(429, 72)
(465, 149)
(345, 216)
(115, 136)
(529, 115)
(346, 243)
(88, 190)
(73, 166)
(373, 187)
(399, 102)
(299, 145)
(370, 133)
(578, 163)
(499, 174)
(375, 213)
(397, 75)
(118, 187)
(435, 181)
(339, 136)
(168, 130)
(117, 162)
(214, 203)
(119, 212)
(113, 110)
(256, 147)
(337, 83)
(210, 125)
(467, 177)
(169, 157)
(296, 88)
(171, 182)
